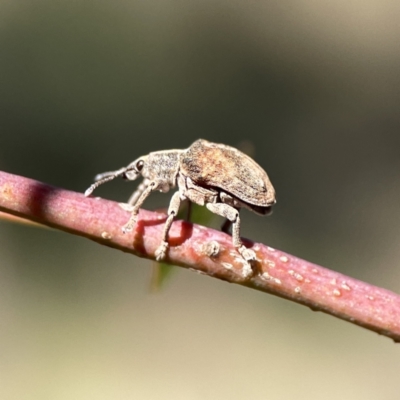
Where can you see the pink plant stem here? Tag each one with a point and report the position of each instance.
(206, 251)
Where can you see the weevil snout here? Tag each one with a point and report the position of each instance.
(134, 169)
(130, 175)
(109, 175)
(99, 179)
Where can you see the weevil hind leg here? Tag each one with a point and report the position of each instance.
(188, 215)
(172, 212)
(226, 226)
(232, 214)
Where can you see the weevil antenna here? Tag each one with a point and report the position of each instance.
(103, 178)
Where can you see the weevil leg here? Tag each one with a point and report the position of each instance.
(226, 226)
(135, 209)
(137, 193)
(172, 212)
(188, 211)
(232, 214)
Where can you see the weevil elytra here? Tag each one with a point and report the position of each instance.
(214, 175)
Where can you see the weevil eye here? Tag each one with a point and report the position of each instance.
(140, 165)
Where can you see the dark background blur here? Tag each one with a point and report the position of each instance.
(89, 86)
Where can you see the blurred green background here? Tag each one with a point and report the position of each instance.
(87, 86)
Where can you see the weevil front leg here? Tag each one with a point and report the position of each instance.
(138, 192)
(172, 212)
(135, 209)
(232, 214)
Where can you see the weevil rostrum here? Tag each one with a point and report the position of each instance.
(209, 174)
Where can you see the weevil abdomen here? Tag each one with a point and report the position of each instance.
(220, 166)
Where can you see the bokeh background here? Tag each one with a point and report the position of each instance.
(87, 86)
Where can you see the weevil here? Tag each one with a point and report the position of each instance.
(214, 175)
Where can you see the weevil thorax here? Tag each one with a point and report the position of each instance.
(162, 167)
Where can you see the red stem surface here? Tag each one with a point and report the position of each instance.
(205, 251)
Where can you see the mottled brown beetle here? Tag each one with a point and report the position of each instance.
(215, 175)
